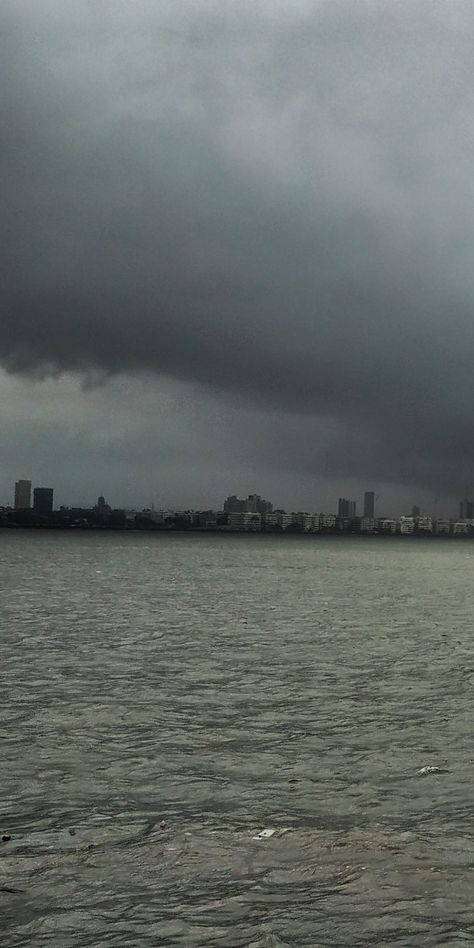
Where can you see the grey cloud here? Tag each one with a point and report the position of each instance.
(270, 200)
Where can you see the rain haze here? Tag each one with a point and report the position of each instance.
(238, 250)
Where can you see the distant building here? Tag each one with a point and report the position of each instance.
(276, 520)
(415, 512)
(253, 504)
(407, 526)
(43, 501)
(424, 525)
(442, 527)
(460, 529)
(102, 507)
(367, 525)
(369, 504)
(234, 505)
(207, 519)
(466, 510)
(346, 508)
(304, 522)
(388, 526)
(22, 495)
(245, 521)
(256, 504)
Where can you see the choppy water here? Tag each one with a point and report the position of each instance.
(225, 685)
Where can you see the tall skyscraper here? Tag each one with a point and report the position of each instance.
(346, 508)
(369, 504)
(43, 500)
(22, 495)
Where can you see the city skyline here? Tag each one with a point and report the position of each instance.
(344, 508)
(252, 514)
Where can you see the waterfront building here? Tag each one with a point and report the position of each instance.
(442, 527)
(246, 521)
(203, 518)
(276, 520)
(270, 521)
(461, 528)
(43, 501)
(369, 504)
(327, 521)
(407, 526)
(424, 525)
(303, 521)
(154, 516)
(415, 511)
(22, 495)
(388, 526)
(367, 525)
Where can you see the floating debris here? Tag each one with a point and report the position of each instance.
(265, 834)
(6, 838)
(163, 825)
(425, 771)
(71, 831)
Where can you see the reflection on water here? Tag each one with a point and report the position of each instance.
(165, 698)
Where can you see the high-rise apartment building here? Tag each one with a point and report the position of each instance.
(256, 504)
(234, 505)
(43, 501)
(346, 508)
(253, 504)
(22, 495)
(369, 504)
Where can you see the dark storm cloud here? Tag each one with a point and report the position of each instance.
(271, 199)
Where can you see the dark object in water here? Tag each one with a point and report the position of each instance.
(6, 838)
(10, 890)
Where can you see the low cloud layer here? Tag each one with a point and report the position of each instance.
(270, 202)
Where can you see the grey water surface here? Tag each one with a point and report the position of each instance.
(221, 686)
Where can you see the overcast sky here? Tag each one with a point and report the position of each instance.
(239, 250)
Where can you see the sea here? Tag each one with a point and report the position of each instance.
(235, 741)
